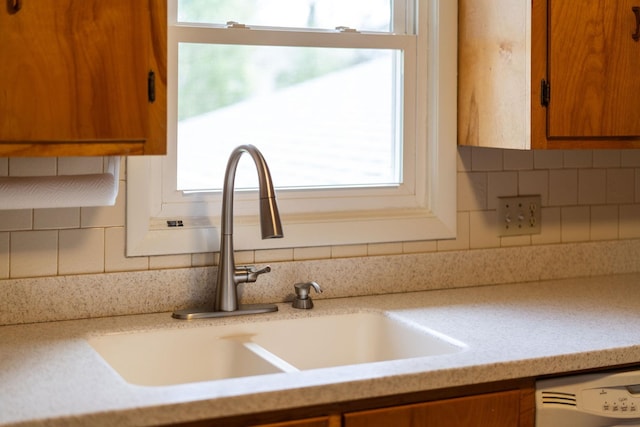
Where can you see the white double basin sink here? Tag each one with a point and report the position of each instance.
(212, 352)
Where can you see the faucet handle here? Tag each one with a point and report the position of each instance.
(302, 299)
(249, 273)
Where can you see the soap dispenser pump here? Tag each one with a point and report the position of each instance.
(302, 298)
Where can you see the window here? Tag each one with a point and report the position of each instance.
(353, 104)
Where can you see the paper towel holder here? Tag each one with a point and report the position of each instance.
(62, 191)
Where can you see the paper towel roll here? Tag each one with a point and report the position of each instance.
(61, 191)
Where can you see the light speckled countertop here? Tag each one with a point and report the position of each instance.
(49, 375)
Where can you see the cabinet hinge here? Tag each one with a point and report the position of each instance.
(151, 86)
(545, 93)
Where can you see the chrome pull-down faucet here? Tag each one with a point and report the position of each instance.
(230, 276)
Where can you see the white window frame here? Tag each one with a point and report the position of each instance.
(422, 209)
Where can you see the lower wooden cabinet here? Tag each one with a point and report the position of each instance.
(330, 421)
(495, 407)
(502, 409)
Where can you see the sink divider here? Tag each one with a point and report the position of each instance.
(270, 357)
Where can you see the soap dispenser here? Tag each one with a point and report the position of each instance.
(302, 298)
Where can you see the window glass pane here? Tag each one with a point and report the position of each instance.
(364, 15)
(321, 116)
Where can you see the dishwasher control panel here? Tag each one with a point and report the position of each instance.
(589, 400)
(616, 401)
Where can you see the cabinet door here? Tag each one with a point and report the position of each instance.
(487, 410)
(593, 69)
(77, 72)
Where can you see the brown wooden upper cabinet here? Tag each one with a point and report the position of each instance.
(549, 73)
(82, 77)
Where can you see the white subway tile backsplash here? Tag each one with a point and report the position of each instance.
(604, 222)
(321, 252)
(269, 255)
(618, 188)
(575, 224)
(242, 257)
(551, 227)
(548, 159)
(114, 257)
(472, 191)
(4, 255)
(577, 159)
(376, 249)
(81, 251)
(488, 159)
(419, 247)
(607, 158)
(33, 253)
(483, 227)
(592, 186)
(629, 227)
(56, 218)
(563, 187)
(169, 261)
(33, 166)
(348, 251)
(631, 158)
(518, 159)
(586, 196)
(203, 259)
(524, 240)
(463, 159)
(500, 184)
(80, 165)
(16, 219)
(534, 182)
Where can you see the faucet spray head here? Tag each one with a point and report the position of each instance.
(270, 218)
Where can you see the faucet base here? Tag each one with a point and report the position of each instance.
(204, 313)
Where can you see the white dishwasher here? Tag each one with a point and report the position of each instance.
(589, 400)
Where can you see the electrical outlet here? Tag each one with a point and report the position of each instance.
(519, 215)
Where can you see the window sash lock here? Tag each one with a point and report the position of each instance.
(237, 25)
(345, 29)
